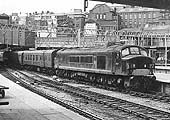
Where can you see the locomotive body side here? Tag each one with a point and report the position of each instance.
(85, 60)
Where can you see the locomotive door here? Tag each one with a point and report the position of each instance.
(101, 62)
(117, 63)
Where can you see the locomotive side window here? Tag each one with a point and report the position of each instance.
(86, 59)
(74, 59)
(36, 57)
(33, 57)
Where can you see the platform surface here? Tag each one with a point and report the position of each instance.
(26, 105)
(163, 77)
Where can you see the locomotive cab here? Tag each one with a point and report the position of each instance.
(138, 66)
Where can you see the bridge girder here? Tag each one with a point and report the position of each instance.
(159, 4)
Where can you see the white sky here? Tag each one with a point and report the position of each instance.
(30, 6)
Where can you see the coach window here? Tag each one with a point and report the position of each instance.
(49, 58)
(36, 57)
(33, 57)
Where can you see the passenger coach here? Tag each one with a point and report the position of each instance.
(37, 60)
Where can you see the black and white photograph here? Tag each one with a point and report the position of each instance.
(85, 60)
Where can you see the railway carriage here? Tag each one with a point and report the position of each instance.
(37, 60)
(40, 60)
(33, 59)
(122, 66)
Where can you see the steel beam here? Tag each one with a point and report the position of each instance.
(160, 4)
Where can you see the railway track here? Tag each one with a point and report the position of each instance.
(109, 107)
(152, 95)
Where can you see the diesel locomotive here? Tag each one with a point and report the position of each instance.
(120, 66)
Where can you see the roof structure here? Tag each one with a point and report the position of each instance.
(159, 4)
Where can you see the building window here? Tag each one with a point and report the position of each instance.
(97, 16)
(101, 16)
(144, 15)
(126, 16)
(149, 15)
(140, 15)
(104, 16)
(135, 16)
(130, 16)
(135, 23)
(154, 15)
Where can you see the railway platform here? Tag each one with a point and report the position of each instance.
(162, 73)
(26, 105)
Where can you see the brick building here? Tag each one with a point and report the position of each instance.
(138, 17)
(105, 16)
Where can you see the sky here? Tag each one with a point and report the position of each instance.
(30, 6)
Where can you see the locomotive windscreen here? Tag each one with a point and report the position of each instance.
(133, 50)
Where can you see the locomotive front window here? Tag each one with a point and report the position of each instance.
(86, 59)
(134, 50)
(143, 52)
(125, 52)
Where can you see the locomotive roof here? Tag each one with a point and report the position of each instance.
(113, 48)
(37, 51)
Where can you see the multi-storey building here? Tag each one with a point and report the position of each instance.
(4, 19)
(105, 16)
(51, 19)
(138, 17)
(78, 18)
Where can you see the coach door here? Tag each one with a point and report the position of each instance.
(20, 57)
